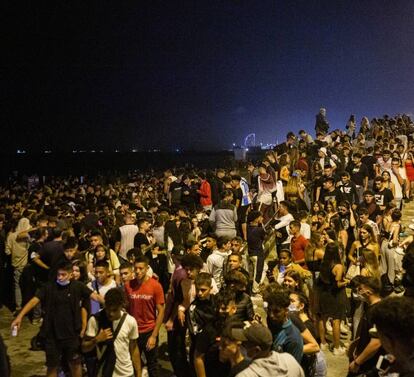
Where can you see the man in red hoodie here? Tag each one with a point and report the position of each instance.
(205, 193)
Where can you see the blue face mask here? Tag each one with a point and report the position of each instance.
(63, 283)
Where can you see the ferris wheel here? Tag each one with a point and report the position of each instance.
(250, 140)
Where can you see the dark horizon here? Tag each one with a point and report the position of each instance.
(198, 75)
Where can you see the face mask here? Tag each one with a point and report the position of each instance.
(63, 283)
(360, 297)
(293, 308)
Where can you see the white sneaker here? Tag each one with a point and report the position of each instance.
(328, 326)
(324, 346)
(340, 351)
(344, 336)
(344, 329)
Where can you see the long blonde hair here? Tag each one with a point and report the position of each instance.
(314, 244)
(371, 263)
(292, 187)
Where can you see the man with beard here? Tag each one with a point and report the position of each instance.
(347, 218)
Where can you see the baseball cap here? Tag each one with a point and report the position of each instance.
(256, 334)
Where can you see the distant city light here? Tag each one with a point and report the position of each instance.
(20, 151)
(116, 151)
(74, 151)
(134, 150)
(177, 150)
(47, 152)
(93, 151)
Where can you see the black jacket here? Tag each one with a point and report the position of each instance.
(244, 305)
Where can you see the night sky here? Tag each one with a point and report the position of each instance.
(198, 74)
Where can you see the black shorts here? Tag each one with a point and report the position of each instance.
(242, 214)
(56, 350)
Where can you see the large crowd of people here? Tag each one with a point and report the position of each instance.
(255, 270)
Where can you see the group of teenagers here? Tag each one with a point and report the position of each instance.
(249, 270)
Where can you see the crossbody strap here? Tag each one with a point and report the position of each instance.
(96, 286)
(105, 349)
(118, 328)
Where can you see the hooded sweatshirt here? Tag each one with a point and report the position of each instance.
(275, 365)
(18, 248)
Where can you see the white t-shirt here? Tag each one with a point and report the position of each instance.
(394, 179)
(128, 332)
(284, 221)
(102, 288)
(215, 265)
(95, 306)
(305, 230)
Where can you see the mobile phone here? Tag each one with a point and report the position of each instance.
(383, 363)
